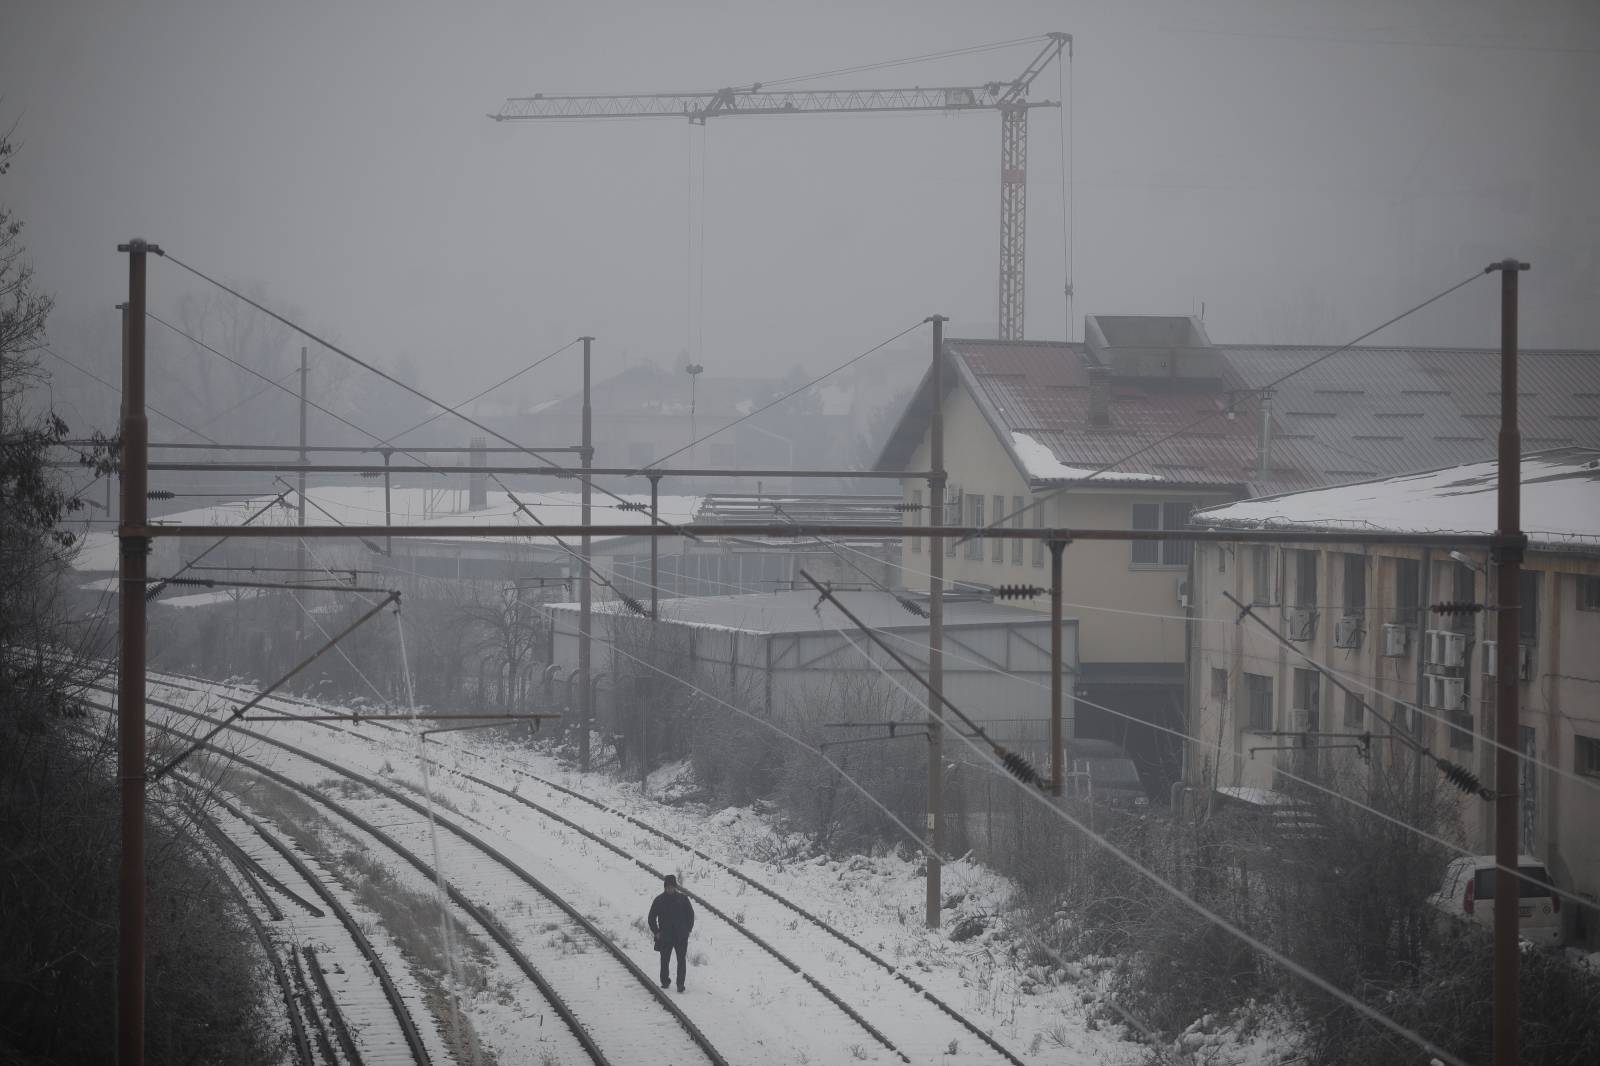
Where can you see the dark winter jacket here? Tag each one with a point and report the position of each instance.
(671, 917)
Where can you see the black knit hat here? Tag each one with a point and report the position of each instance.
(671, 881)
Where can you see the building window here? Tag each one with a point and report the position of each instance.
(1038, 523)
(1528, 614)
(917, 518)
(1586, 755)
(975, 520)
(999, 513)
(1308, 698)
(1159, 516)
(1305, 578)
(1355, 715)
(1219, 684)
(1460, 730)
(1019, 520)
(1589, 593)
(1261, 575)
(1406, 578)
(1258, 702)
(1355, 585)
(952, 517)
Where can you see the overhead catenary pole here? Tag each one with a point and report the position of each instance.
(388, 513)
(936, 480)
(585, 606)
(1056, 547)
(1506, 551)
(300, 507)
(134, 550)
(655, 554)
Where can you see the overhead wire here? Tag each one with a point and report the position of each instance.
(1206, 416)
(484, 392)
(385, 375)
(1255, 943)
(653, 464)
(118, 390)
(904, 61)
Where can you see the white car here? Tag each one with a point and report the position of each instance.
(1467, 891)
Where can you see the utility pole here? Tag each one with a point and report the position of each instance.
(300, 545)
(1056, 547)
(1506, 551)
(936, 479)
(655, 577)
(585, 618)
(131, 680)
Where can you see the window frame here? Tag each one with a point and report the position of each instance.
(1585, 755)
(1019, 521)
(1160, 554)
(1355, 712)
(999, 553)
(1530, 585)
(1261, 576)
(917, 519)
(1258, 685)
(1219, 684)
(974, 503)
(1587, 595)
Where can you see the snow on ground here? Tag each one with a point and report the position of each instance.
(750, 1005)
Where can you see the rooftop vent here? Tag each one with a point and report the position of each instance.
(1150, 348)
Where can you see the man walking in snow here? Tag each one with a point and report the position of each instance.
(671, 918)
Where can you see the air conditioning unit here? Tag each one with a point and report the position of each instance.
(1444, 692)
(1347, 631)
(1183, 593)
(1303, 624)
(1525, 657)
(1396, 640)
(1490, 652)
(1445, 648)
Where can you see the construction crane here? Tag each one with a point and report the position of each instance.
(1010, 98)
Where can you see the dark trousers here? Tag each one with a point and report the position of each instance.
(681, 946)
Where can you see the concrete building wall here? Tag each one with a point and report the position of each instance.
(1559, 704)
(1098, 575)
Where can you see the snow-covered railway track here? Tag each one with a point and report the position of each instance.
(593, 974)
(915, 1027)
(366, 1016)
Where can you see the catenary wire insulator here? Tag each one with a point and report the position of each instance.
(1017, 592)
(1021, 769)
(1457, 607)
(1462, 778)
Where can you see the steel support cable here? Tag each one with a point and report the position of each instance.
(653, 464)
(906, 60)
(1256, 944)
(1330, 671)
(588, 564)
(1207, 416)
(263, 390)
(926, 845)
(156, 589)
(390, 378)
(484, 392)
(118, 390)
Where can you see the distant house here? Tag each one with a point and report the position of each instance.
(646, 412)
(1147, 420)
(1363, 612)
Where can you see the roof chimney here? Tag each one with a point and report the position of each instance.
(1099, 396)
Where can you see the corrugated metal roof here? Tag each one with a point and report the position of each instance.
(1369, 412)
(793, 611)
(1043, 390)
(1560, 502)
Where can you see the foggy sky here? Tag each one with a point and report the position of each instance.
(1304, 169)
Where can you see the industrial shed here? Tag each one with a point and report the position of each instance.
(781, 645)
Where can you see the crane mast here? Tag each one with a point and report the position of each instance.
(1009, 98)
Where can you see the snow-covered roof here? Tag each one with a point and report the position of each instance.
(1560, 502)
(362, 505)
(794, 611)
(1042, 465)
